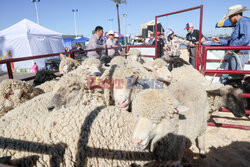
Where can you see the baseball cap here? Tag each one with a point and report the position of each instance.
(169, 32)
(188, 25)
(158, 33)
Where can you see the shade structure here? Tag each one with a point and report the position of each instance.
(226, 23)
(83, 39)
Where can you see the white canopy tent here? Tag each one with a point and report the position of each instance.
(27, 38)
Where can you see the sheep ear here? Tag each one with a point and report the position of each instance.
(75, 62)
(181, 109)
(62, 56)
(215, 92)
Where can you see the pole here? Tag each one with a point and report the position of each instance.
(125, 31)
(37, 17)
(74, 12)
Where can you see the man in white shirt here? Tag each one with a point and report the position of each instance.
(110, 43)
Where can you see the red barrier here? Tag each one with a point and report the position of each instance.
(182, 11)
(228, 126)
(204, 71)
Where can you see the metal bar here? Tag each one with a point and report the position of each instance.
(226, 47)
(180, 11)
(10, 74)
(155, 36)
(197, 61)
(218, 60)
(228, 126)
(245, 94)
(227, 72)
(225, 110)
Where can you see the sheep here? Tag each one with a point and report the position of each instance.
(134, 55)
(124, 82)
(67, 64)
(90, 67)
(118, 60)
(218, 94)
(179, 112)
(93, 135)
(42, 76)
(14, 92)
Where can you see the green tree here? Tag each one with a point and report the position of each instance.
(118, 2)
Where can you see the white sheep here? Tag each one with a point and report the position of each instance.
(163, 119)
(67, 64)
(134, 55)
(92, 135)
(218, 94)
(127, 80)
(14, 92)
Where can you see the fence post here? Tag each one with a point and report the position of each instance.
(10, 74)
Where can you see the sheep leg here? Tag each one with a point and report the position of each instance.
(201, 144)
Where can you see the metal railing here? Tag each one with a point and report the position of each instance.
(202, 62)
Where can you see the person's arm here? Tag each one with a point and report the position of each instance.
(183, 41)
(244, 39)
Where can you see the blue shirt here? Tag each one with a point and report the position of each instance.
(240, 35)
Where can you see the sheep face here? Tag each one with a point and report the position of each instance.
(147, 130)
(122, 91)
(64, 96)
(143, 133)
(93, 66)
(162, 74)
(231, 99)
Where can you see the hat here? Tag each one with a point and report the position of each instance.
(111, 32)
(158, 33)
(235, 10)
(188, 25)
(169, 32)
(116, 35)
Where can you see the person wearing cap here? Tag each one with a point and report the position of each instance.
(239, 37)
(110, 43)
(173, 45)
(95, 42)
(193, 37)
(116, 43)
(160, 45)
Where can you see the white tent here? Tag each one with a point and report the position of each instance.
(27, 38)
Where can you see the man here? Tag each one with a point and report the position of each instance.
(239, 37)
(110, 43)
(193, 36)
(160, 45)
(95, 42)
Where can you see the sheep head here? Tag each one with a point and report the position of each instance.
(160, 70)
(64, 96)
(230, 98)
(157, 111)
(92, 65)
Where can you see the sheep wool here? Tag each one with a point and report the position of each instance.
(88, 135)
(14, 92)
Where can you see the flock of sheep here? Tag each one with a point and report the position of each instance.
(128, 114)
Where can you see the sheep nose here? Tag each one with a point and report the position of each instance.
(50, 108)
(137, 142)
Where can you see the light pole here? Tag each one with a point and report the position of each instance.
(111, 23)
(124, 16)
(37, 17)
(74, 12)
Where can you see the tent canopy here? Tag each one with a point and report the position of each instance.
(27, 38)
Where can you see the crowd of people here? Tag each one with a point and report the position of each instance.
(168, 46)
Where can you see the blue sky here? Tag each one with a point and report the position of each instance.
(58, 16)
